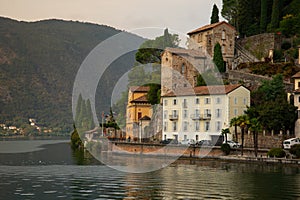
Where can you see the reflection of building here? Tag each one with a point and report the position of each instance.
(206, 37)
(203, 113)
(138, 108)
(296, 93)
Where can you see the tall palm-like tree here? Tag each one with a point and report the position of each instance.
(233, 122)
(243, 122)
(255, 126)
(225, 132)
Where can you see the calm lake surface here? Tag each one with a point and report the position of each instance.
(49, 169)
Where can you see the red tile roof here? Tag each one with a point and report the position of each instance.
(297, 75)
(205, 90)
(208, 27)
(139, 88)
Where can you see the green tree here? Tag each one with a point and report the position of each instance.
(263, 15)
(90, 119)
(225, 132)
(230, 12)
(76, 142)
(255, 127)
(234, 122)
(214, 15)
(276, 7)
(243, 122)
(218, 58)
(153, 94)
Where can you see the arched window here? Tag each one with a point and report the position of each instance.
(223, 35)
(182, 68)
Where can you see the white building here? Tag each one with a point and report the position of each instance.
(202, 114)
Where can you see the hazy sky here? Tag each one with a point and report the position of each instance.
(178, 15)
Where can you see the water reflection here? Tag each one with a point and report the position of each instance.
(80, 177)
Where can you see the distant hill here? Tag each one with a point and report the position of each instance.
(38, 65)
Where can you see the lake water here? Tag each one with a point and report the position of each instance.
(43, 169)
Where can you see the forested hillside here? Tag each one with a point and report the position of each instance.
(38, 65)
(259, 16)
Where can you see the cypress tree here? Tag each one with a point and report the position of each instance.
(263, 15)
(78, 109)
(275, 15)
(90, 119)
(214, 15)
(218, 58)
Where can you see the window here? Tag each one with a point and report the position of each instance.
(185, 114)
(235, 112)
(139, 115)
(197, 113)
(298, 84)
(185, 126)
(184, 103)
(174, 101)
(218, 113)
(200, 37)
(223, 35)
(197, 137)
(182, 68)
(165, 126)
(174, 126)
(299, 99)
(235, 100)
(165, 114)
(218, 126)
(207, 100)
(197, 101)
(185, 137)
(245, 101)
(207, 126)
(207, 113)
(165, 102)
(218, 100)
(197, 125)
(165, 137)
(174, 113)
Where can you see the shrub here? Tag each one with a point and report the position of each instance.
(277, 153)
(286, 45)
(225, 148)
(295, 150)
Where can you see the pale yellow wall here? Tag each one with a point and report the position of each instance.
(238, 100)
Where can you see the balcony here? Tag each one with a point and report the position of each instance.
(173, 117)
(201, 117)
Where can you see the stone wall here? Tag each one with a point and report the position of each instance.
(252, 81)
(264, 142)
(259, 45)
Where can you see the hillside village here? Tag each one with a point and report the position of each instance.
(194, 113)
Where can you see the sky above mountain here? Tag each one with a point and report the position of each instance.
(131, 15)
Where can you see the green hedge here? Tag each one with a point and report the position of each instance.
(295, 150)
(277, 153)
(225, 148)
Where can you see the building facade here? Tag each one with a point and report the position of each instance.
(138, 109)
(296, 94)
(206, 37)
(203, 114)
(180, 68)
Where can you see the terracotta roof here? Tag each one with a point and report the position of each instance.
(189, 52)
(139, 88)
(205, 90)
(208, 27)
(142, 99)
(297, 75)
